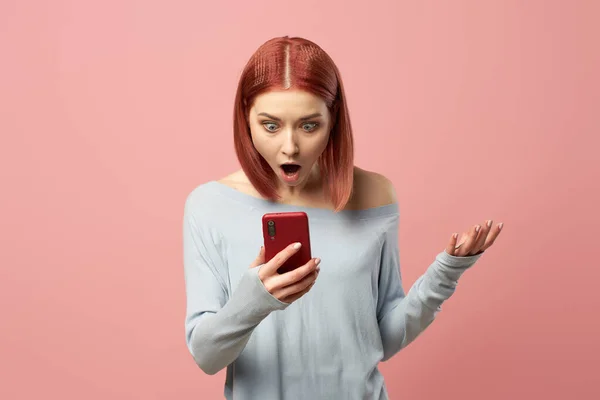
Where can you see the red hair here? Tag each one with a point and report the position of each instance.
(283, 63)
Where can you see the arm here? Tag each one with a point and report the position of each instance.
(403, 317)
(218, 325)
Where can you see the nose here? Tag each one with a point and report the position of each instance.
(290, 144)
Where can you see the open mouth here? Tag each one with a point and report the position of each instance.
(290, 173)
(290, 169)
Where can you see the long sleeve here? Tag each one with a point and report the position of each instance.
(218, 325)
(402, 317)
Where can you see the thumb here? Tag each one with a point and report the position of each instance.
(452, 247)
(260, 259)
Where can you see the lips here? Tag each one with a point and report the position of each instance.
(290, 172)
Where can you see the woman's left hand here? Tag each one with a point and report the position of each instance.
(478, 239)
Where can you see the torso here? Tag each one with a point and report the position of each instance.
(309, 349)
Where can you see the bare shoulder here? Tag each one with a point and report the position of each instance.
(239, 181)
(233, 178)
(371, 189)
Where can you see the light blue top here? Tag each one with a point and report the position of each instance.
(328, 343)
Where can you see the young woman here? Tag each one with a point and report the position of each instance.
(319, 331)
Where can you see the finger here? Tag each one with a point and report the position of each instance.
(294, 297)
(451, 248)
(260, 259)
(296, 275)
(468, 243)
(483, 234)
(461, 241)
(297, 287)
(492, 236)
(273, 265)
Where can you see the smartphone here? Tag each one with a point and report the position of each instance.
(282, 229)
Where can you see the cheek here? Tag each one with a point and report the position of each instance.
(322, 144)
(257, 138)
(263, 145)
(313, 147)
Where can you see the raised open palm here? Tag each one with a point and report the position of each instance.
(475, 241)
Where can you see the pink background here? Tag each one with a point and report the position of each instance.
(112, 112)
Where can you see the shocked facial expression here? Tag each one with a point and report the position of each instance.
(290, 129)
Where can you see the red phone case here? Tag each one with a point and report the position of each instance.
(282, 229)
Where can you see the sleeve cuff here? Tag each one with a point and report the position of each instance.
(458, 262)
(453, 267)
(262, 296)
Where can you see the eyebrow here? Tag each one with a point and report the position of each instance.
(301, 119)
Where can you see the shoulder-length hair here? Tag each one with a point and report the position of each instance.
(283, 63)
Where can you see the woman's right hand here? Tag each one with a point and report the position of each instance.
(290, 286)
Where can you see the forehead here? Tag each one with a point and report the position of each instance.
(288, 102)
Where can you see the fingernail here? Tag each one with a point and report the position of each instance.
(500, 225)
(455, 235)
(297, 246)
(477, 228)
(489, 223)
(317, 261)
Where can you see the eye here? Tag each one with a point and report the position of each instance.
(314, 125)
(307, 126)
(267, 124)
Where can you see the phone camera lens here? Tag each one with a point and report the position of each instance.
(271, 228)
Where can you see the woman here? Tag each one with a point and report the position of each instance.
(317, 332)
